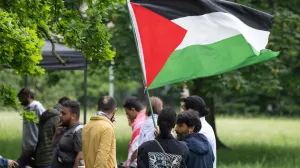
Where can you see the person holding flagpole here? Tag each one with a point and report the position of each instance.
(148, 129)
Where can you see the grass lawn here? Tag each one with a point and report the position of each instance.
(254, 143)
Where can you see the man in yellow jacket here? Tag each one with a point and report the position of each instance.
(98, 136)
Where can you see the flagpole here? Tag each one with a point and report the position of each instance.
(150, 107)
(143, 76)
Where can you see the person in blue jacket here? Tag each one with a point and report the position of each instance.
(200, 151)
(4, 163)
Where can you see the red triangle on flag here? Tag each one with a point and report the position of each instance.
(159, 38)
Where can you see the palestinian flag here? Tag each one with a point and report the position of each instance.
(180, 40)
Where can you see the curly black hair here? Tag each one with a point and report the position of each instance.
(190, 118)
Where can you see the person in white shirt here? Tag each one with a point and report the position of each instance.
(147, 130)
(197, 103)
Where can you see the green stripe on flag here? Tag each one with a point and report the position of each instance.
(207, 60)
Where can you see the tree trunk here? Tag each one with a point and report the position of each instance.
(198, 90)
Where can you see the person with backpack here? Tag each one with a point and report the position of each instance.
(165, 151)
(67, 138)
(147, 129)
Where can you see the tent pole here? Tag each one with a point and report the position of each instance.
(85, 91)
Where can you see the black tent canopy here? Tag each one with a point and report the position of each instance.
(76, 61)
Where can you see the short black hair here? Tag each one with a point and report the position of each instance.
(166, 121)
(196, 103)
(190, 118)
(107, 104)
(73, 105)
(26, 92)
(61, 100)
(133, 102)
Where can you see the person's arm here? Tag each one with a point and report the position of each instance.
(12, 163)
(79, 155)
(58, 131)
(77, 146)
(53, 140)
(132, 152)
(105, 144)
(134, 156)
(3, 162)
(7, 163)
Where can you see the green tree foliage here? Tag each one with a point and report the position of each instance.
(25, 24)
(264, 83)
(274, 78)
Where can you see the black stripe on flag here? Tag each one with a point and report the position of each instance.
(173, 9)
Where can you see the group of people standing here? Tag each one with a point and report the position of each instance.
(59, 140)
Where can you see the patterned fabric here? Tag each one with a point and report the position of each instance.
(100, 113)
(152, 155)
(159, 160)
(147, 130)
(134, 144)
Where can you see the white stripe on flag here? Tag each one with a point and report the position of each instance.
(137, 34)
(214, 27)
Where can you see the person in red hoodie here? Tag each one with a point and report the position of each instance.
(136, 116)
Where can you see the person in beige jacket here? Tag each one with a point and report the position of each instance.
(98, 136)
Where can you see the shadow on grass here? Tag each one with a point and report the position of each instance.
(260, 156)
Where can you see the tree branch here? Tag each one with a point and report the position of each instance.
(53, 46)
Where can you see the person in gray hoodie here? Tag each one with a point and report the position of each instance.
(30, 129)
(200, 151)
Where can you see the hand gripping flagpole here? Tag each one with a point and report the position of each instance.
(138, 45)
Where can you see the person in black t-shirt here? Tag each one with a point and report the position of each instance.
(67, 138)
(165, 151)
